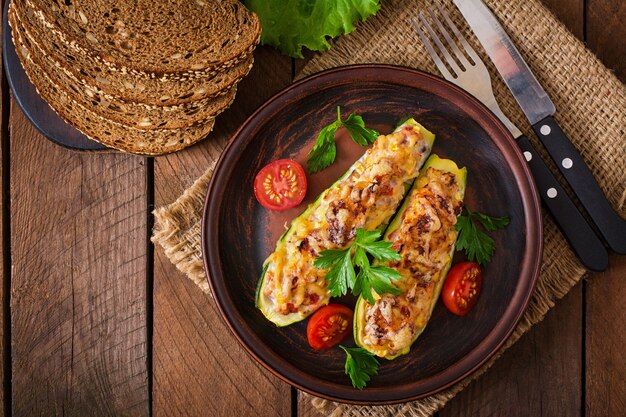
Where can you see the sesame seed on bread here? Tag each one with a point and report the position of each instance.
(123, 111)
(168, 90)
(139, 76)
(154, 38)
(105, 131)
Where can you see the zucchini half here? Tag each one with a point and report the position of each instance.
(270, 307)
(420, 322)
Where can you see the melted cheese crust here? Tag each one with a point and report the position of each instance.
(424, 241)
(367, 198)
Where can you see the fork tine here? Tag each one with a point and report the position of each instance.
(442, 49)
(446, 35)
(470, 51)
(429, 47)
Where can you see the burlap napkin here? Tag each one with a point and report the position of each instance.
(590, 102)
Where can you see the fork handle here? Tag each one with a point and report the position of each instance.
(581, 237)
(611, 226)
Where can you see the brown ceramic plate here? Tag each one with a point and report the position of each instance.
(238, 234)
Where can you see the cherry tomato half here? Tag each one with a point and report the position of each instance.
(329, 326)
(280, 185)
(462, 287)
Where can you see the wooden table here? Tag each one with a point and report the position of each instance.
(96, 321)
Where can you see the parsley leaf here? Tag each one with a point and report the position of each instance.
(490, 223)
(342, 275)
(361, 365)
(381, 277)
(381, 250)
(367, 236)
(358, 132)
(362, 286)
(328, 258)
(324, 151)
(360, 258)
(478, 245)
(378, 278)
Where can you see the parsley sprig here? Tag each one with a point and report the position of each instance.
(342, 275)
(324, 151)
(478, 245)
(361, 365)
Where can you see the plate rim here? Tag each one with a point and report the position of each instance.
(533, 211)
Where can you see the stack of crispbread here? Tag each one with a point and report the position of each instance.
(141, 76)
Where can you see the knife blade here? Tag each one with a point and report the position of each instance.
(475, 79)
(539, 109)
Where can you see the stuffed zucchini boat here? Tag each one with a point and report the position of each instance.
(366, 196)
(423, 232)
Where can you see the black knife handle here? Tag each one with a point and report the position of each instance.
(611, 226)
(581, 237)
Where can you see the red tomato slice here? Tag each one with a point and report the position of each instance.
(329, 326)
(462, 287)
(280, 185)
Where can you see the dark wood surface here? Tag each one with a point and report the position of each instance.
(194, 356)
(96, 321)
(4, 231)
(78, 290)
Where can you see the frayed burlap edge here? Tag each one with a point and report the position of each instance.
(177, 226)
(177, 230)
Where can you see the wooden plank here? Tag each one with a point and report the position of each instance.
(306, 407)
(606, 33)
(538, 376)
(571, 13)
(605, 341)
(541, 374)
(605, 392)
(78, 286)
(195, 356)
(605, 338)
(4, 273)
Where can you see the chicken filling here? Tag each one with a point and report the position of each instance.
(367, 198)
(424, 241)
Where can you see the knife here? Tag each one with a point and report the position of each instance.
(539, 109)
(475, 79)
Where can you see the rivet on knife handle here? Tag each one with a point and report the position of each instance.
(573, 167)
(581, 237)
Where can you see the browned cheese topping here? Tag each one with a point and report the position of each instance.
(424, 241)
(366, 198)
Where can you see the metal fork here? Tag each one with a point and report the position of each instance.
(472, 75)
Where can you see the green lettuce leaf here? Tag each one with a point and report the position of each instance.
(290, 25)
